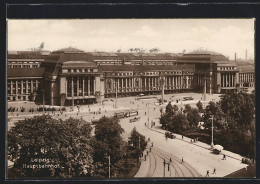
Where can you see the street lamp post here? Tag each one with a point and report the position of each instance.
(212, 144)
(116, 95)
(109, 166)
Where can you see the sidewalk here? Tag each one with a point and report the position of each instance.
(199, 144)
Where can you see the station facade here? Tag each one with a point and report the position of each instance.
(71, 76)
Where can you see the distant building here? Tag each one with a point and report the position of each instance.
(23, 84)
(71, 76)
(246, 76)
(25, 59)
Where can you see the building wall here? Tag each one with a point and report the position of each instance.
(22, 89)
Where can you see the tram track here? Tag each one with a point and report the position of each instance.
(177, 164)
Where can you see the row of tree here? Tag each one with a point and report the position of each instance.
(45, 147)
(233, 121)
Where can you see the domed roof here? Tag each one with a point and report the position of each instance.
(203, 52)
(69, 50)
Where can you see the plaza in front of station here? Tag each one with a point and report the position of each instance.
(196, 155)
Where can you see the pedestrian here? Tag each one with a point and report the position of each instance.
(144, 113)
(214, 171)
(152, 144)
(207, 175)
(145, 124)
(224, 157)
(144, 157)
(146, 152)
(150, 149)
(182, 159)
(170, 159)
(182, 136)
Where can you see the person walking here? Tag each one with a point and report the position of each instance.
(214, 171)
(182, 160)
(207, 175)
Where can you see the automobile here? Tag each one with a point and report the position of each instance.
(217, 149)
(134, 119)
(187, 98)
(169, 135)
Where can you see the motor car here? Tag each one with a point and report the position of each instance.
(134, 119)
(169, 135)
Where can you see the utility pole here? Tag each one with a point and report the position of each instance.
(164, 167)
(205, 88)
(162, 84)
(212, 144)
(109, 166)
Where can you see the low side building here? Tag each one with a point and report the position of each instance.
(246, 76)
(25, 59)
(23, 84)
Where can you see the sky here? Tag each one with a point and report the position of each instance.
(226, 36)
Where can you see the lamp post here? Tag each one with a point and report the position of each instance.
(212, 144)
(116, 95)
(109, 166)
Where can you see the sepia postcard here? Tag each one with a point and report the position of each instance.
(130, 98)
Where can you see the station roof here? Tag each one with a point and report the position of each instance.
(145, 67)
(24, 72)
(202, 57)
(27, 54)
(246, 68)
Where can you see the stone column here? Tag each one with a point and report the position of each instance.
(77, 86)
(88, 85)
(72, 87)
(21, 86)
(11, 82)
(226, 80)
(145, 83)
(31, 86)
(83, 86)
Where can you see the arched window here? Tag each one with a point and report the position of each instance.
(109, 84)
(137, 83)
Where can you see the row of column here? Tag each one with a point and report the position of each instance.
(80, 86)
(28, 89)
(246, 77)
(149, 83)
(228, 79)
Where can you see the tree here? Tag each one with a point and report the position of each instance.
(134, 138)
(187, 108)
(240, 107)
(200, 106)
(169, 109)
(193, 117)
(178, 123)
(175, 108)
(107, 142)
(62, 144)
(219, 118)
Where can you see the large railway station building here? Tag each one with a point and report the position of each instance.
(71, 76)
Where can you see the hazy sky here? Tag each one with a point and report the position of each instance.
(226, 36)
